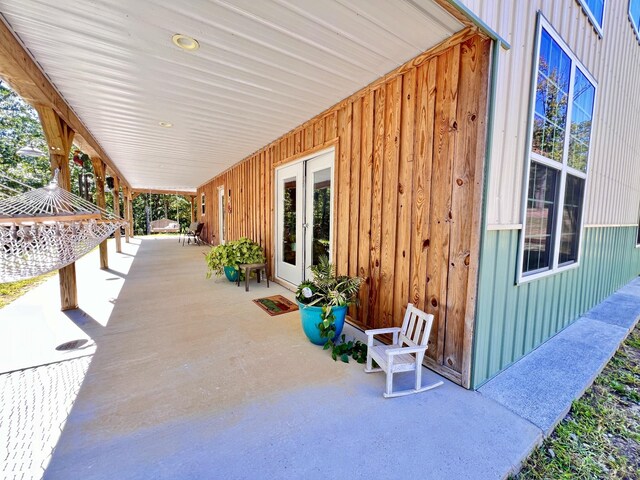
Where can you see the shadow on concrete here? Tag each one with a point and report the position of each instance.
(84, 321)
(116, 272)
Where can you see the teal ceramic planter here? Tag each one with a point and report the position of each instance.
(310, 317)
(231, 274)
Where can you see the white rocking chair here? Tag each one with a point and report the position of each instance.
(395, 358)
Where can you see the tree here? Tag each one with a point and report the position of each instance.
(20, 126)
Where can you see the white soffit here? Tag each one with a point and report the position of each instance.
(263, 68)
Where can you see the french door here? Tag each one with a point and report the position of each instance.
(304, 216)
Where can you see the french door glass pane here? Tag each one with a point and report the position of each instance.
(541, 208)
(571, 213)
(321, 214)
(289, 224)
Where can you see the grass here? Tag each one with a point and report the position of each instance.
(600, 437)
(10, 291)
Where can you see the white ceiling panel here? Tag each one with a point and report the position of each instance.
(263, 67)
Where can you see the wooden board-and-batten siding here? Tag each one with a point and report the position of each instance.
(409, 156)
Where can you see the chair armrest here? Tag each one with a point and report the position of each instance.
(379, 331)
(403, 350)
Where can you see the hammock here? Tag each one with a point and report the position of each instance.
(49, 228)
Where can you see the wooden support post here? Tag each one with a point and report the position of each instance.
(193, 207)
(60, 137)
(99, 172)
(116, 211)
(131, 219)
(125, 205)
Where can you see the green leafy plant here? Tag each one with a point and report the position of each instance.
(231, 254)
(328, 290)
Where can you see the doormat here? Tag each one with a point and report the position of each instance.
(276, 305)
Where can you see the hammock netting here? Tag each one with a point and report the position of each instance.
(48, 228)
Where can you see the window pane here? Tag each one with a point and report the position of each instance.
(571, 213)
(634, 13)
(581, 116)
(552, 96)
(290, 222)
(541, 208)
(597, 9)
(321, 215)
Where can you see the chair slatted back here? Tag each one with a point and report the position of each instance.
(416, 327)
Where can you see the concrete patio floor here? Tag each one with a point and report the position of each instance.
(191, 380)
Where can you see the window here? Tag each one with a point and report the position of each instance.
(202, 203)
(595, 11)
(634, 16)
(638, 239)
(562, 107)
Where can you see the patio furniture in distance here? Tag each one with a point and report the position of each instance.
(164, 225)
(252, 267)
(194, 231)
(405, 354)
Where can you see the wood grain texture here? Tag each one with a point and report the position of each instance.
(376, 208)
(99, 172)
(402, 270)
(399, 210)
(116, 211)
(390, 164)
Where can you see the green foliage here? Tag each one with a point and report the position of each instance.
(173, 207)
(231, 254)
(328, 290)
(345, 349)
(600, 437)
(19, 127)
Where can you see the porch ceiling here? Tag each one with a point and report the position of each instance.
(263, 67)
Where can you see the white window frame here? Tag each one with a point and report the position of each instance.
(638, 232)
(636, 27)
(202, 204)
(592, 18)
(564, 169)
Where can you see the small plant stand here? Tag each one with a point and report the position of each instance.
(252, 267)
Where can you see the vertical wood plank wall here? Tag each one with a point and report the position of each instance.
(408, 169)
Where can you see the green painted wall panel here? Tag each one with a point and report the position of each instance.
(512, 320)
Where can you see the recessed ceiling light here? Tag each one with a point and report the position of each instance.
(165, 124)
(185, 42)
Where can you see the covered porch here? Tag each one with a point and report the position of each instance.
(190, 379)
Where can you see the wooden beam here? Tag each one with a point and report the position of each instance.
(19, 69)
(116, 211)
(59, 137)
(155, 191)
(454, 12)
(99, 172)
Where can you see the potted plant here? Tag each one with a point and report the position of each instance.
(225, 258)
(323, 302)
